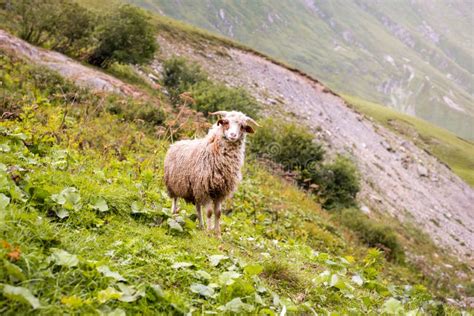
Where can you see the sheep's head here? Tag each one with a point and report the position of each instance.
(235, 125)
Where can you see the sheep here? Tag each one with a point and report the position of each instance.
(206, 171)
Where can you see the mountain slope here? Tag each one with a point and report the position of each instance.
(413, 56)
(398, 178)
(86, 226)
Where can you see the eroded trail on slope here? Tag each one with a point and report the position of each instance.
(398, 177)
(82, 75)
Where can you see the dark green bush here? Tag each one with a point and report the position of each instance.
(62, 25)
(211, 97)
(372, 234)
(179, 75)
(338, 182)
(127, 37)
(293, 147)
(287, 144)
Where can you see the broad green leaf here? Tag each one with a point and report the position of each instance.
(21, 294)
(129, 294)
(202, 275)
(105, 270)
(69, 198)
(100, 204)
(4, 201)
(258, 299)
(179, 265)
(414, 312)
(4, 148)
(63, 258)
(357, 280)
(322, 277)
(202, 289)
(136, 208)
(62, 213)
(72, 301)
(158, 290)
(216, 259)
(393, 307)
(174, 225)
(253, 269)
(4, 181)
(227, 278)
(58, 198)
(117, 312)
(237, 306)
(19, 136)
(13, 270)
(108, 294)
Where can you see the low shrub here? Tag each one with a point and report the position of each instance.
(179, 76)
(287, 144)
(210, 97)
(372, 234)
(126, 36)
(294, 148)
(62, 25)
(337, 181)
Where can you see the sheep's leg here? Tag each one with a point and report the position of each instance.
(198, 210)
(209, 217)
(174, 205)
(217, 218)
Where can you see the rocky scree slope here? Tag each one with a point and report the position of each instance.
(415, 56)
(398, 178)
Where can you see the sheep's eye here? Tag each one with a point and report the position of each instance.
(223, 122)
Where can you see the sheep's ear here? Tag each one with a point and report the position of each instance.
(252, 122)
(249, 129)
(221, 113)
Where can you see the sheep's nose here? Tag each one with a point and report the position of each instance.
(233, 135)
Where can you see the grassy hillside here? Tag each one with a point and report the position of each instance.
(406, 55)
(456, 152)
(86, 225)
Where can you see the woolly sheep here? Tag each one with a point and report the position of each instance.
(206, 171)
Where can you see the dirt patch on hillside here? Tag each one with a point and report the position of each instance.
(84, 76)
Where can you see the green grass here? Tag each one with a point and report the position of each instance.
(454, 151)
(86, 227)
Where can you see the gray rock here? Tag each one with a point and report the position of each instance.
(422, 171)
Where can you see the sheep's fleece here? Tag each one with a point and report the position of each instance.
(208, 169)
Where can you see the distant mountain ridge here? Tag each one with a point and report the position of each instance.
(415, 56)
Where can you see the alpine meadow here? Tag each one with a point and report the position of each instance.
(343, 206)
